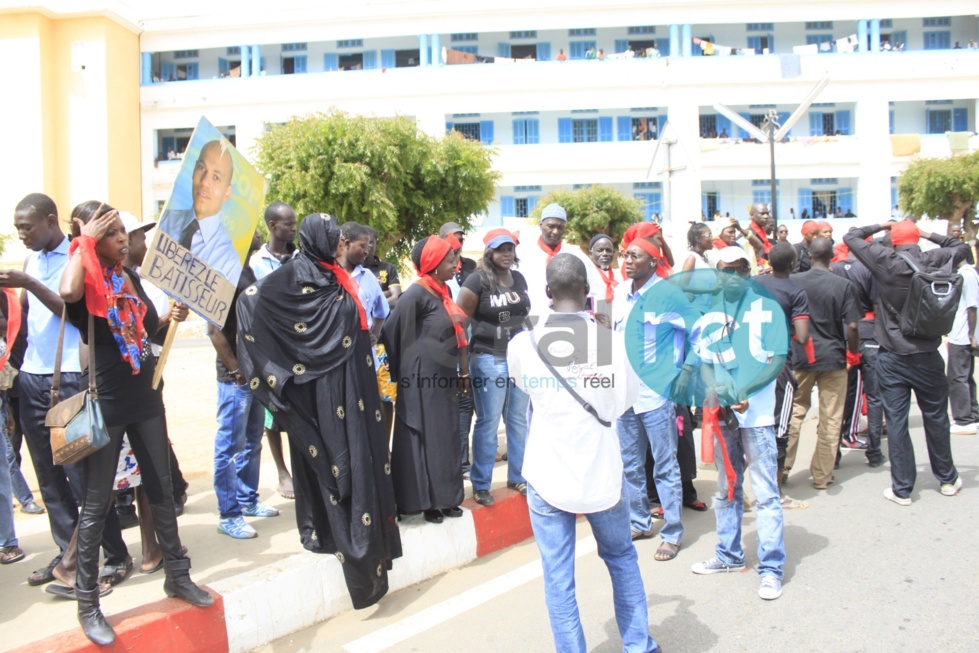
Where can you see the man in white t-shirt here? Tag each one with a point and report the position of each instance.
(751, 445)
(572, 463)
(533, 255)
(961, 363)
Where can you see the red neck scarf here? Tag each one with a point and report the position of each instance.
(107, 295)
(13, 322)
(766, 245)
(551, 253)
(610, 282)
(350, 286)
(720, 244)
(433, 253)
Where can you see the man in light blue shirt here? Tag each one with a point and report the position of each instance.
(281, 222)
(351, 255)
(199, 228)
(652, 419)
(36, 221)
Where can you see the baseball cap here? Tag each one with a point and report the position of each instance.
(554, 211)
(732, 254)
(131, 224)
(450, 228)
(497, 237)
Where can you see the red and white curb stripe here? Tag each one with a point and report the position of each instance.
(264, 604)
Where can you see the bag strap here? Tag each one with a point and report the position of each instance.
(584, 404)
(910, 262)
(56, 377)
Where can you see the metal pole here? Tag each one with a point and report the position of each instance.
(667, 195)
(772, 126)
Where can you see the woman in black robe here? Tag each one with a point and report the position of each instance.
(306, 350)
(427, 353)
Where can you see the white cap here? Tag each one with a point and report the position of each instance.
(732, 254)
(554, 211)
(131, 224)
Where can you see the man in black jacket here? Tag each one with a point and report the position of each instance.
(905, 363)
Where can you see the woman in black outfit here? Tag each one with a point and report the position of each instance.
(125, 319)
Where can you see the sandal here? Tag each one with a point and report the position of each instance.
(699, 506)
(43, 575)
(9, 554)
(666, 551)
(788, 503)
(657, 513)
(68, 593)
(112, 575)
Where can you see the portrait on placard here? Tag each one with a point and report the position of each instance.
(207, 225)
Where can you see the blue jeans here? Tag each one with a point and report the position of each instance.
(554, 531)
(495, 396)
(237, 448)
(656, 429)
(8, 537)
(21, 491)
(757, 446)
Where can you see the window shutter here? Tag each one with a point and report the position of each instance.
(782, 117)
(331, 61)
(167, 70)
(844, 199)
(387, 59)
(805, 201)
(543, 52)
(625, 128)
(503, 50)
(703, 206)
(815, 123)
(370, 59)
(507, 208)
(192, 71)
(564, 130)
(533, 131)
(531, 203)
(605, 133)
(742, 134)
(519, 132)
(723, 125)
(448, 127)
(660, 123)
(621, 45)
(486, 131)
(299, 64)
(843, 122)
(890, 120)
(222, 65)
(960, 120)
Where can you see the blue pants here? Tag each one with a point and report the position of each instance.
(237, 448)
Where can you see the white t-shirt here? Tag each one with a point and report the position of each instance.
(533, 266)
(571, 460)
(959, 335)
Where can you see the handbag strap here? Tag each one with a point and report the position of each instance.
(56, 377)
(584, 404)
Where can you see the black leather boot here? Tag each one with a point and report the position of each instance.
(91, 619)
(178, 584)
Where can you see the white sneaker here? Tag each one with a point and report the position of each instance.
(901, 501)
(770, 588)
(951, 489)
(963, 429)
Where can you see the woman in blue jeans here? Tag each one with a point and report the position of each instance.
(496, 300)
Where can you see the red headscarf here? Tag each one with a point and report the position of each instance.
(904, 232)
(433, 253)
(456, 247)
(640, 230)
(663, 270)
(840, 253)
(824, 225)
(809, 226)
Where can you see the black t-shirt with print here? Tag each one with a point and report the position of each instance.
(386, 273)
(832, 305)
(498, 316)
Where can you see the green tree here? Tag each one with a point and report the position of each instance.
(377, 171)
(594, 210)
(943, 188)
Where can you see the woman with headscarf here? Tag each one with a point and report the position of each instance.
(602, 278)
(428, 353)
(96, 284)
(305, 349)
(496, 299)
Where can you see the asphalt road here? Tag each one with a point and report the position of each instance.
(863, 574)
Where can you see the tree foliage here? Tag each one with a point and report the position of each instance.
(943, 188)
(594, 210)
(378, 171)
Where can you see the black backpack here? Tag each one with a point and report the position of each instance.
(932, 301)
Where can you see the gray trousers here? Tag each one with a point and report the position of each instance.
(962, 384)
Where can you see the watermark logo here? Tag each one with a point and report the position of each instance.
(706, 332)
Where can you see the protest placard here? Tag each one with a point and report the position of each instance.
(202, 239)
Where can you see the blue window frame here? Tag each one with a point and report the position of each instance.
(760, 27)
(186, 54)
(761, 196)
(350, 43)
(234, 51)
(507, 208)
(637, 30)
(584, 31)
(471, 49)
(370, 59)
(652, 204)
(939, 121)
(759, 43)
(938, 40)
(463, 37)
(543, 52)
(387, 59)
(293, 47)
(584, 131)
(640, 185)
(844, 199)
(577, 49)
(527, 189)
(331, 61)
(503, 50)
(805, 201)
(526, 34)
(960, 120)
(886, 23)
(819, 39)
(824, 181)
(564, 130)
(819, 25)
(843, 122)
(526, 131)
(941, 21)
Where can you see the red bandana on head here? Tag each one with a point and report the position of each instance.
(663, 270)
(433, 253)
(639, 230)
(456, 247)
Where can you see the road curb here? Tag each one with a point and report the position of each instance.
(261, 605)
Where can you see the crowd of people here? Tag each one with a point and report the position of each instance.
(377, 389)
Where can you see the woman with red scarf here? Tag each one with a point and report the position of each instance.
(96, 284)
(428, 355)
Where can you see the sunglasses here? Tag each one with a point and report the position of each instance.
(741, 270)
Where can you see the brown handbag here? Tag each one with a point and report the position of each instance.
(77, 427)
